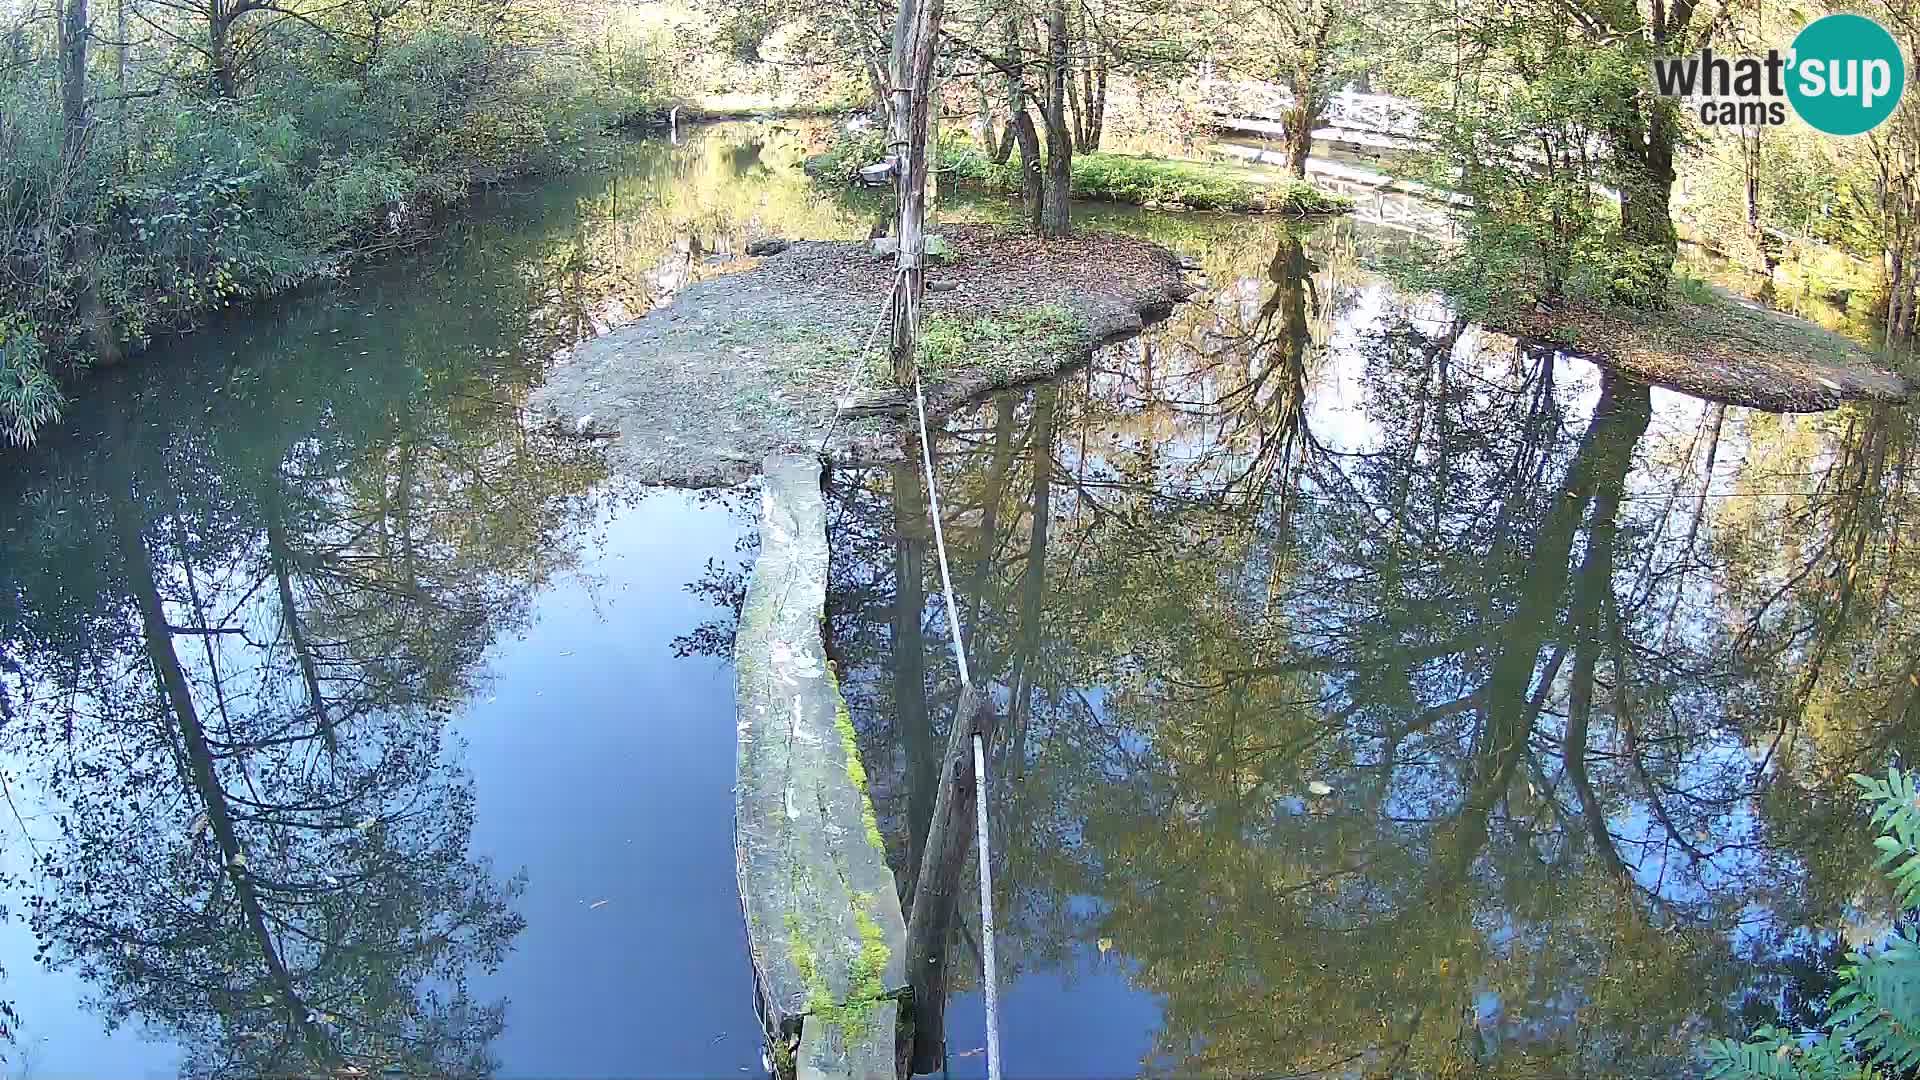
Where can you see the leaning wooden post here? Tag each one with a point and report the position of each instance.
(914, 70)
(937, 887)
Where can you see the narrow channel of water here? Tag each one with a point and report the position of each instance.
(1377, 693)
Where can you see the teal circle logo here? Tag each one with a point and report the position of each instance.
(1845, 74)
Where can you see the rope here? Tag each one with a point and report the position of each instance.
(988, 979)
(940, 540)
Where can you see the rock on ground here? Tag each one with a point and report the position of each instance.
(753, 362)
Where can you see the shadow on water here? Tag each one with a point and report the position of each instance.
(1384, 698)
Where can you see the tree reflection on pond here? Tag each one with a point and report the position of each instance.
(232, 645)
(1384, 695)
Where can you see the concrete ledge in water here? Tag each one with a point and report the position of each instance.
(824, 924)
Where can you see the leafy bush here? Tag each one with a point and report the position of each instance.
(186, 202)
(1873, 1020)
(1186, 185)
(1529, 158)
(29, 399)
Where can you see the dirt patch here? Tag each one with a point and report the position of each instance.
(1726, 349)
(756, 361)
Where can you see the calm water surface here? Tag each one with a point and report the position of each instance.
(1381, 697)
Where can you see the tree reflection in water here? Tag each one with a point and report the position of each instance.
(1393, 698)
(231, 647)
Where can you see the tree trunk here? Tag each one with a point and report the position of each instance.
(1020, 129)
(915, 57)
(75, 131)
(1305, 80)
(1096, 97)
(120, 86)
(1300, 122)
(1032, 183)
(937, 894)
(73, 76)
(1896, 274)
(933, 148)
(220, 48)
(1056, 218)
(1646, 193)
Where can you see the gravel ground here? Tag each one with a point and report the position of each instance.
(755, 361)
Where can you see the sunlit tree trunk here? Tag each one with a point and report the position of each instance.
(1305, 76)
(1020, 129)
(915, 54)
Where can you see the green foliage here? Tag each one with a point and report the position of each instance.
(185, 202)
(1151, 182)
(1612, 269)
(1693, 290)
(1532, 153)
(1873, 1022)
(29, 400)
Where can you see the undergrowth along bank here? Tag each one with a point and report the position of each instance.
(213, 181)
(1154, 183)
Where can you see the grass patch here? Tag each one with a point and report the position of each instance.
(1159, 183)
(1152, 182)
(1005, 347)
(1692, 289)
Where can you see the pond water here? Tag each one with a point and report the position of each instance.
(1379, 696)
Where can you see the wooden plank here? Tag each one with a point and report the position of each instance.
(824, 926)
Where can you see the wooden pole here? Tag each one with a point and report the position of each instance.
(937, 887)
(915, 62)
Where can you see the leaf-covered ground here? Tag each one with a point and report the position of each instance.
(1726, 349)
(759, 359)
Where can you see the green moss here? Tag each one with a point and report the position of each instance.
(866, 985)
(856, 770)
(871, 965)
